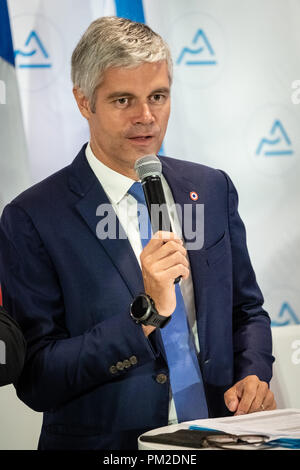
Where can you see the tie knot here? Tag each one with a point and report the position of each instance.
(136, 190)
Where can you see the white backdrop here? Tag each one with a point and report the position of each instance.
(235, 62)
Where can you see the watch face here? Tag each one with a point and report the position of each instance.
(140, 306)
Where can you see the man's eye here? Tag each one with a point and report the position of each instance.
(122, 101)
(158, 98)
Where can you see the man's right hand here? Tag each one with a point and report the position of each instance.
(163, 260)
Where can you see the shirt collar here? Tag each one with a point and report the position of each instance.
(114, 184)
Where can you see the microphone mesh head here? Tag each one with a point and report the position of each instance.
(149, 165)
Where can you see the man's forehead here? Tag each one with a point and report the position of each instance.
(146, 75)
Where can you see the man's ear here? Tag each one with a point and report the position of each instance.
(82, 103)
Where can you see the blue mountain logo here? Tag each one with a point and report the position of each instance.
(37, 49)
(286, 316)
(278, 144)
(200, 48)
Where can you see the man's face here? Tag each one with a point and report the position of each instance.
(131, 115)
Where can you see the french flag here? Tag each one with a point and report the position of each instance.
(14, 168)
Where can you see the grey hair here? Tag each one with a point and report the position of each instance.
(111, 41)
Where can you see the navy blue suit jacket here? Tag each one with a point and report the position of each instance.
(71, 293)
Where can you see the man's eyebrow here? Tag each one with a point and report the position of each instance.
(119, 94)
(127, 94)
(163, 89)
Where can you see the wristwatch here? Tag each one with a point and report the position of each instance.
(143, 310)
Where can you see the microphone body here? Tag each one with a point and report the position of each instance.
(149, 169)
(156, 204)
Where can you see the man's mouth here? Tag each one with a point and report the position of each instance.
(141, 139)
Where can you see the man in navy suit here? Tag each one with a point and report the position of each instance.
(100, 377)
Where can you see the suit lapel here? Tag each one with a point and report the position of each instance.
(83, 182)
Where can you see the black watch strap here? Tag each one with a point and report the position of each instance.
(157, 320)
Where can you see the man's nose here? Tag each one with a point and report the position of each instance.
(143, 114)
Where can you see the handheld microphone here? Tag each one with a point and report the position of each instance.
(149, 169)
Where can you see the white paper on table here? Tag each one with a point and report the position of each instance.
(283, 423)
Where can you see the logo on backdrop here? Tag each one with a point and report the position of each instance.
(198, 47)
(277, 143)
(39, 51)
(286, 316)
(200, 52)
(272, 140)
(35, 49)
(283, 305)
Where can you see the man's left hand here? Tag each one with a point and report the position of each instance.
(249, 395)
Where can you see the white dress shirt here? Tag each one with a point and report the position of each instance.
(116, 186)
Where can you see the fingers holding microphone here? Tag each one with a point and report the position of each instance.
(163, 259)
(172, 256)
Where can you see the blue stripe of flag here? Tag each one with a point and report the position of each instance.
(6, 45)
(130, 9)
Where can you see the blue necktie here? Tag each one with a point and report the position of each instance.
(185, 375)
